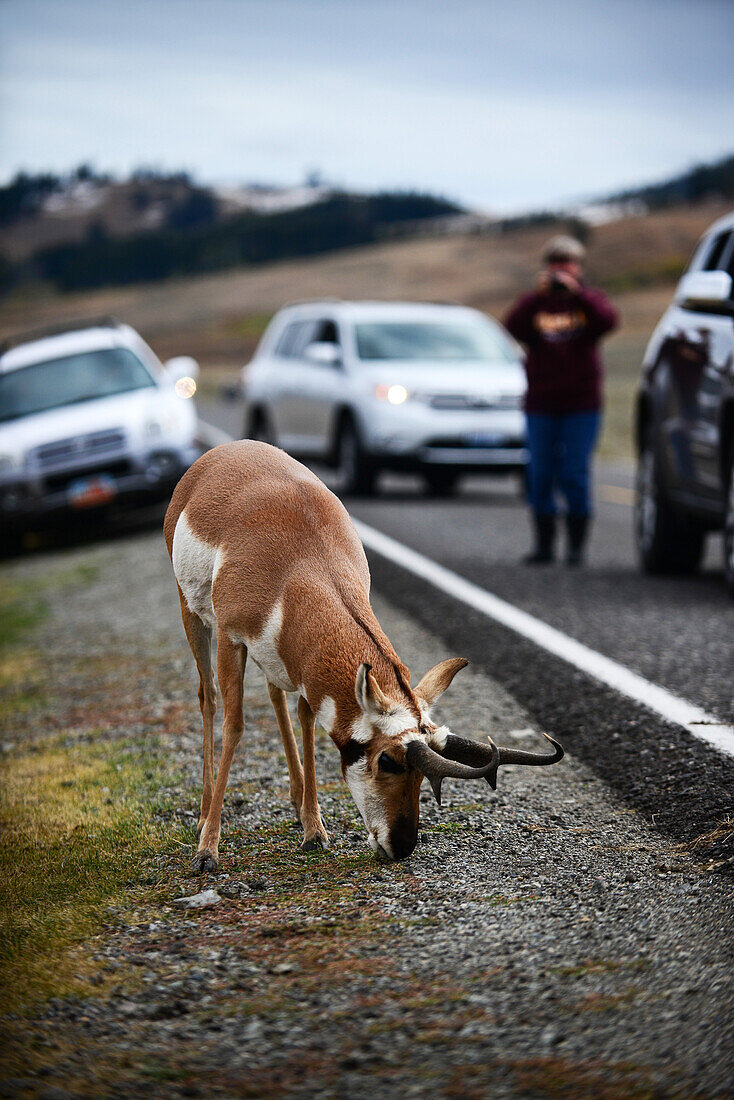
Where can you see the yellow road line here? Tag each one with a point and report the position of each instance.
(616, 494)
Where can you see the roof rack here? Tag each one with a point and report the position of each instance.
(28, 335)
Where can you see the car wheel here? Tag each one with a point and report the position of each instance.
(666, 540)
(11, 543)
(441, 483)
(257, 426)
(356, 473)
(729, 530)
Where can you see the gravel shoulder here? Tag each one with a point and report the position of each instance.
(544, 940)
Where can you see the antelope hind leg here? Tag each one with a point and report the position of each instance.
(231, 660)
(199, 637)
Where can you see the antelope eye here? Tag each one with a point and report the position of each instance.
(387, 764)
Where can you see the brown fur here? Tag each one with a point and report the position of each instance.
(283, 535)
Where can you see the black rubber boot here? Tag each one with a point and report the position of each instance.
(545, 537)
(578, 527)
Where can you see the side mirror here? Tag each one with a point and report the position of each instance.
(181, 366)
(327, 355)
(704, 288)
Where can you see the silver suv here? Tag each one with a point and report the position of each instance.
(366, 386)
(89, 417)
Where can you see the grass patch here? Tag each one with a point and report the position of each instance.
(591, 1080)
(79, 832)
(21, 608)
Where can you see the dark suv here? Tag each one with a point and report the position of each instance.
(684, 416)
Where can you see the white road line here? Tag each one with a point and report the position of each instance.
(702, 725)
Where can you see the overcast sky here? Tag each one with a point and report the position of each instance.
(502, 105)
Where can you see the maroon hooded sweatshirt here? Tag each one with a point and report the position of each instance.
(560, 331)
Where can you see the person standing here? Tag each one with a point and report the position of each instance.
(560, 323)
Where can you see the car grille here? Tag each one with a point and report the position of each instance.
(472, 401)
(58, 483)
(77, 447)
(457, 442)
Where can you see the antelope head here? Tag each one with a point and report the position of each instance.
(394, 745)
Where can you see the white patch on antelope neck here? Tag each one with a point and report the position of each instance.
(264, 650)
(326, 714)
(363, 789)
(195, 564)
(394, 723)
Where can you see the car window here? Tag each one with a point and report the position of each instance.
(434, 340)
(295, 338)
(285, 345)
(88, 376)
(716, 252)
(325, 333)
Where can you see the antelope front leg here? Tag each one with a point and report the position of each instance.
(231, 660)
(314, 834)
(295, 770)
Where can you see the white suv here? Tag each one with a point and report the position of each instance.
(367, 386)
(89, 417)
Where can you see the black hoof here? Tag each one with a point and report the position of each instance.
(315, 844)
(204, 863)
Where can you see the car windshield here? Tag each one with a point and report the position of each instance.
(438, 340)
(83, 377)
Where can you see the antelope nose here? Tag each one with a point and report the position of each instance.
(403, 837)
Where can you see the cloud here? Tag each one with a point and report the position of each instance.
(501, 105)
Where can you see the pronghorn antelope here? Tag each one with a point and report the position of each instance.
(265, 555)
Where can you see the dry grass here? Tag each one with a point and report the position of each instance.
(70, 847)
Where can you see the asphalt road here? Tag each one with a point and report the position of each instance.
(676, 632)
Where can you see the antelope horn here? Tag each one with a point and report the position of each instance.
(436, 767)
(478, 754)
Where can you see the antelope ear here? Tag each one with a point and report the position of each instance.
(368, 693)
(438, 678)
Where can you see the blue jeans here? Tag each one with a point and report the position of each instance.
(560, 457)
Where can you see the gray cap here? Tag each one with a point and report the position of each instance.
(563, 248)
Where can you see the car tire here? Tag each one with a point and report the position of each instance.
(441, 483)
(729, 528)
(11, 543)
(356, 473)
(666, 540)
(257, 426)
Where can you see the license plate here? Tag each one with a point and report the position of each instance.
(485, 439)
(89, 492)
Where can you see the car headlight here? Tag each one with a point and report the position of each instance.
(394, 395)
(185, 387)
